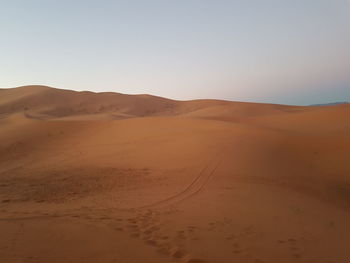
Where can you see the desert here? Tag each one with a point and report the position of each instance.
(109, 177)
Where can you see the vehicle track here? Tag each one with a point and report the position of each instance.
(194, 187)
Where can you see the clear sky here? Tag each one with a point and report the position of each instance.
(280, 51)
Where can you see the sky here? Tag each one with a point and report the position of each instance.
(277, 51)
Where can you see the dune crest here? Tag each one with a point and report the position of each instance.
(50, 103)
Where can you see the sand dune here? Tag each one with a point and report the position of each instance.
(108, 177)
(43, 102)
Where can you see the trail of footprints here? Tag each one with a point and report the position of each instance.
(293, 247)
(147, 227)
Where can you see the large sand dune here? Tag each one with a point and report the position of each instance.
(108, 177)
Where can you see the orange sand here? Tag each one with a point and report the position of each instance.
(107, 177)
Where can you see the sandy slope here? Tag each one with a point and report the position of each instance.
(88, 177)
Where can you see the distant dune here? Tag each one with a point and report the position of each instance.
(109, 177)
(43, 102)
(331, 103)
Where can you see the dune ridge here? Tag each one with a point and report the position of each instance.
(52, 103)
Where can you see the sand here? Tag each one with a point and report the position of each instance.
(108, 177)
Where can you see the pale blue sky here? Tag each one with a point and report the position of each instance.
(280, 51)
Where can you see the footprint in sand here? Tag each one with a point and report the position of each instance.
(132, 220)
(133, 226)
(181, 234)
(173, 251)
(134, 235)
(230, 237)
(296, 256)
(164, 249)
(179, 254)
(151, 242)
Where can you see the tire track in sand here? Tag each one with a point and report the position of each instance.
(147, 226)
(194, 187)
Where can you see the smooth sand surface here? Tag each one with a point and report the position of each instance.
(107, 177)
